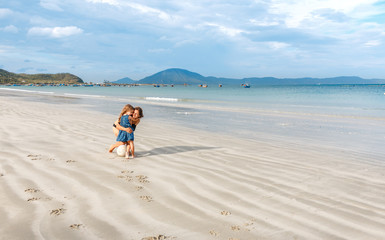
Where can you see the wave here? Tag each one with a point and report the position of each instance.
(54, 93)
(83, 95)
(161, 99)
(28, 91)
(188, 113)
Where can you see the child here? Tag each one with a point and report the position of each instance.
(124, 137)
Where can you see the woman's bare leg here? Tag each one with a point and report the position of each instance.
(113, 146)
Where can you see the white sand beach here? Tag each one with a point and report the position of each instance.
(57, 181)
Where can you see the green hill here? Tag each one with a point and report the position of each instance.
(174, 76)
(181, 76)
(22, 78)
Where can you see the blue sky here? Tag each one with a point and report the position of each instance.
(110, 39)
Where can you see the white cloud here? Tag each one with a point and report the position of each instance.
(111, 2)
(277, 45)
(51, 5)
(38, 20)
(6, 49)
(136, 6)
(263, 23)
(250, 30)
(372, 43)
(148, 10)
(10, 29)
(228, 31)
(55, 32)
(182, 43)
(5, 12)
(297, 11)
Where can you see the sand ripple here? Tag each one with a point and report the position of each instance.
(58, 181)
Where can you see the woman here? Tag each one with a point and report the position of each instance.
(137, 115)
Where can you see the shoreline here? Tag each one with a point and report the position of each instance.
(58, 181)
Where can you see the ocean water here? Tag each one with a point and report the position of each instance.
(345, 117)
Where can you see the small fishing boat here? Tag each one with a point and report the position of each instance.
(246, 85)
(204, 86)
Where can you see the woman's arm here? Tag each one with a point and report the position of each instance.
(122, 128)
(136, 121)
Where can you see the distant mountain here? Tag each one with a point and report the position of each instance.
(125, 80)
(174, 76)
(182, 76)
(22, 78)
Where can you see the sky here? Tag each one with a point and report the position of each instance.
(100, 40)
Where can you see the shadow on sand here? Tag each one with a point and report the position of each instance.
(172, 150)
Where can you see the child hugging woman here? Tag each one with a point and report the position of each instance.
(124, 137)
(135, 120)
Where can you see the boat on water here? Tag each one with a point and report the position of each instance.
(246, 85)
(204, 85)
(220, 85)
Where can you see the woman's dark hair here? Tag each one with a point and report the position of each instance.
(140, 111)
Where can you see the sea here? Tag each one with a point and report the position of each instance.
(342, 117)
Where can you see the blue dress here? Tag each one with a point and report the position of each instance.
(124, 136)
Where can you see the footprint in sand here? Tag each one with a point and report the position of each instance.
(146, 198)
(225, 213)
(250, 224)
(235, 228)
(142, 179)
(31, 190)
(159, 237)
(33, 199)
(125, 177)
(70, 161)
(76, 226)
(35, 190)
(58, 211)
(138, 188)
(34, 157)
(214, 233)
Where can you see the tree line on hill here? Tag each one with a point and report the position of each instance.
(182, 76)
(22, 78)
